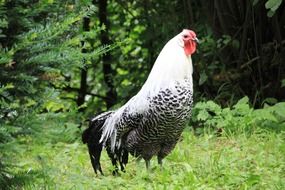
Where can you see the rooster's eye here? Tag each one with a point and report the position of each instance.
(185, 36)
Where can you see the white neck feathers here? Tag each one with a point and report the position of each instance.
(170, 67)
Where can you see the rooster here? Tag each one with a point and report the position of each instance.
(150, 123)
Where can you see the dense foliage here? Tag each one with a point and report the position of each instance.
(61, 61)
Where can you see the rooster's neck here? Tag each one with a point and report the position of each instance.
(171, 67)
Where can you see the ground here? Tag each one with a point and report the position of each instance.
(52, 160)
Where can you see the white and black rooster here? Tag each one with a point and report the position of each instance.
(152, 121)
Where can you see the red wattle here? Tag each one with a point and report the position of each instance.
(189, 47)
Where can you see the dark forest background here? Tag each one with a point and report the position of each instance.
(65, 60)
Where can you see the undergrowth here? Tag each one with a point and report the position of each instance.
(248, 153)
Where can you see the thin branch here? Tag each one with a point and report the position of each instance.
(249, 62)
(69, 88)
(244, 33)
(73, 89)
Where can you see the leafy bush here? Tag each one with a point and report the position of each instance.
(241, 117)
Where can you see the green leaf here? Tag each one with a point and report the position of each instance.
(203, 78)
(265, 114)
(279, 110)
(213, 107)
(255, 2)
(270, 4)
(270, 101)
(244, 100)
(203, 115)
(270, 13)
(273, 5)
(282, 83)
(235, 44)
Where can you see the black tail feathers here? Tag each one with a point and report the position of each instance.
(91, 136)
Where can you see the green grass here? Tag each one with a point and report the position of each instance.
(52, 160)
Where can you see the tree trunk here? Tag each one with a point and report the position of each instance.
(83, 80)
(106, 58)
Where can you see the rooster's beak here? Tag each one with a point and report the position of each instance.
(196, 40)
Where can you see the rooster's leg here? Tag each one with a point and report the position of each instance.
(159, 160)
(147, 164)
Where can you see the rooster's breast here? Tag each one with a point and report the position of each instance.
(164, 122)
